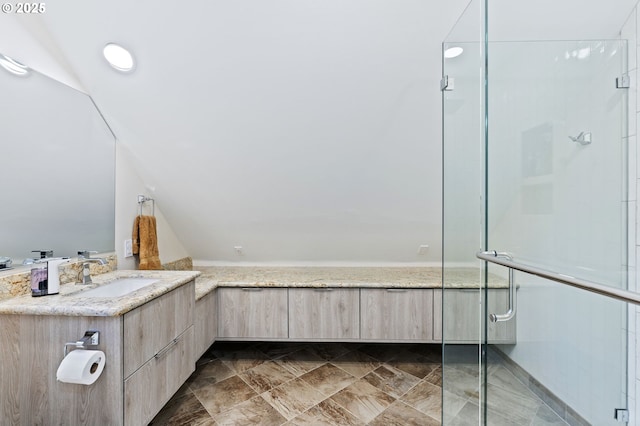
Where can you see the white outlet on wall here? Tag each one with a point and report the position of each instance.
(238, 250)
(423, 249)
(128, 248)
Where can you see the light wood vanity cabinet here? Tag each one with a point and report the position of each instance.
(158, 352)
(462, 319)
(206, 323)
(324, 313)
(396, 314)
(149, 355)
(252, 313)
(350, 314)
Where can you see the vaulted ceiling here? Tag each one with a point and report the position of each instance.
(300, 129)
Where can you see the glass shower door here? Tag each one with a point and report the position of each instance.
(463, 219)
(534, 164)
(556, 191)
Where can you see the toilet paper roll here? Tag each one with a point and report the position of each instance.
(81, 366)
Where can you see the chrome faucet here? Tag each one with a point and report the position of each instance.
(85, 258)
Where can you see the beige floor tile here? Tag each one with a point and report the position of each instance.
(244, 360)
(364, 400)
(547, 417)
(207, 374)
(328, 379)
(293, 398)
(391, 380)
(435, 377)
(356, 363)
(272, 383)
(184, 410)
(224, 395)
(329, 351)
(512, 405)
(426, 398)
(301, 362)
(452, 404)
(327, 413)
(460, 383)
(414, 364)
(400, 414)
(255, 411)
(266, 376)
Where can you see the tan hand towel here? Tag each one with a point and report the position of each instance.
(145, 227)
(135, 238)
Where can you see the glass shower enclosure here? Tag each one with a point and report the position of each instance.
(535, 167)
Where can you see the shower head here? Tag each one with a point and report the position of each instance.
(584, 138)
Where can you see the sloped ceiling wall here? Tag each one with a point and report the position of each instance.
(300, 130)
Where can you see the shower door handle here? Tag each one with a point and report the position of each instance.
(511, 312)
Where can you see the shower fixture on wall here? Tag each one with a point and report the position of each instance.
(584, 138)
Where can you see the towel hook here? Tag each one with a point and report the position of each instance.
(143, 199)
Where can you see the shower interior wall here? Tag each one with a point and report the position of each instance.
(630, 32)
(566, 336)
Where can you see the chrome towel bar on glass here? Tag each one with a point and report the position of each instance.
(511, 312)
(614, 293)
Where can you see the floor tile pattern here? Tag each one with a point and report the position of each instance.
(260, 383)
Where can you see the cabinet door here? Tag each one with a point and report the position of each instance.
(324, 313)
(206, 323)
(396, 314)
(462, 316)
(150, 387)
(252, 313)
(152, 326)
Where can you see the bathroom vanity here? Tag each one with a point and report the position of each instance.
(147, 336)
(359, 304)
(152, 336)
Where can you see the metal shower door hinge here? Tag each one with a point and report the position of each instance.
(623, 82)
(446, 83)
(621, 415)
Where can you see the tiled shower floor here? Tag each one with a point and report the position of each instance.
(252, 383)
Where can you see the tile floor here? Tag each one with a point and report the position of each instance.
(252, 383)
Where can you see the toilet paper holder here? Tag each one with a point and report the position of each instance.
(90, 338)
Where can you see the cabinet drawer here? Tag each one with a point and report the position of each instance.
(151, 386)
(461, 316)
(252, 313)
(153, 325)
(324, 313)
(206, 323)
(396, 314)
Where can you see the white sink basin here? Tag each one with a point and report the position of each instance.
(118, 288)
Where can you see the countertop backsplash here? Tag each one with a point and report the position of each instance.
(17, 282)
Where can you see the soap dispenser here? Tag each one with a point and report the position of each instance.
(53, 274)
(45, 280)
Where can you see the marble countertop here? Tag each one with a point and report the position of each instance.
(71, 302)
(317, 277)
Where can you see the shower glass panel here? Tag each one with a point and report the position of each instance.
(556, 190)
(463, 218)
(534, 164)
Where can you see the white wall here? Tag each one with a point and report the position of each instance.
(128, 186)
(302, 131)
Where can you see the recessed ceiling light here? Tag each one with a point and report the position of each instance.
(13, 66)
(118, 57)
(452, 52)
